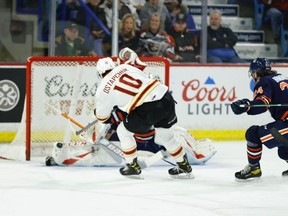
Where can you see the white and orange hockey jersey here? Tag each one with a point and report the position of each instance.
(126, 87)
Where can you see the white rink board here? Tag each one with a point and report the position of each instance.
(195, 113)
(204, 103)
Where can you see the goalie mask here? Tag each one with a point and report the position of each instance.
(104, 65)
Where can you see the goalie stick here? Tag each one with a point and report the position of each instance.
(279, 137)
(115, 150)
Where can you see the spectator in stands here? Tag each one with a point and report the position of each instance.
(154, 6)
(66, 11)
(187, 46)
(220, 41)
(128, 35)
(92, 29)
(175, 7)
(122, 10)
(70, 44)
(274, 10)
(134, 7)
(138, 4)
(154, 41)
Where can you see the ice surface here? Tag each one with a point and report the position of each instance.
(32, 189)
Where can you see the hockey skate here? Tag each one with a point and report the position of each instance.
(285, 173)
(132, 170)
(49, 161)
(249, 173)
(182, 170)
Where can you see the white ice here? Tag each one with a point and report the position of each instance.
(32, 189)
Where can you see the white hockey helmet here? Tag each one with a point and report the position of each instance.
(104, 65)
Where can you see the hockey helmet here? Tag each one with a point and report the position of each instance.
(259, 65)
(104, 65)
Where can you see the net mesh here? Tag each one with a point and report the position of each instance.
(58, 86)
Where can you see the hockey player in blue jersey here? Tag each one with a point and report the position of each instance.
(270, 88)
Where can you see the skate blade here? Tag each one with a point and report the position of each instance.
(134, 176)
(183, 176)
(254, 179)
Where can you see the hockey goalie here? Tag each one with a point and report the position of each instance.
(100, 144)
(101, 147)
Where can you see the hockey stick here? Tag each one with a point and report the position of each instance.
(65, 116)
(160, 155)
(279, 137)
(262, 105)
(115, 152)
(86, 127)
(83, 128)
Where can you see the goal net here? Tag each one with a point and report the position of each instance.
(57, 86)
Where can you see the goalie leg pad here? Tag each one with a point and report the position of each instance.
(198, 151)
(87, 155)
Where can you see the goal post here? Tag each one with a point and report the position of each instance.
(68, 85)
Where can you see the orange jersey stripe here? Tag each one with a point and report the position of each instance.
(145, 135)
(253, 149)
(138, 99)
(269, 136)
(178, 152)
(284, 116)
(254, 157)
(102, 119)
(130, 152)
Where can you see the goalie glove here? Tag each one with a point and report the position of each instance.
(128, 56)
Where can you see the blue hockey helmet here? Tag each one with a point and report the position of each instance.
(259, 65)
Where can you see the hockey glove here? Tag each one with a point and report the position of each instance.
(125, 53)
(117, 116)
(130, 57)
(237, 108)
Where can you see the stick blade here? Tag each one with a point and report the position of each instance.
(152, 160)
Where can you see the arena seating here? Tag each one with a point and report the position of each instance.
(251, 38)
(261, 19)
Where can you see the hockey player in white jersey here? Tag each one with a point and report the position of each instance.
(100, 143)
(148, 104)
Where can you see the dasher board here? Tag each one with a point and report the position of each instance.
(251, 50)
(250, 36)
(225, 9)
